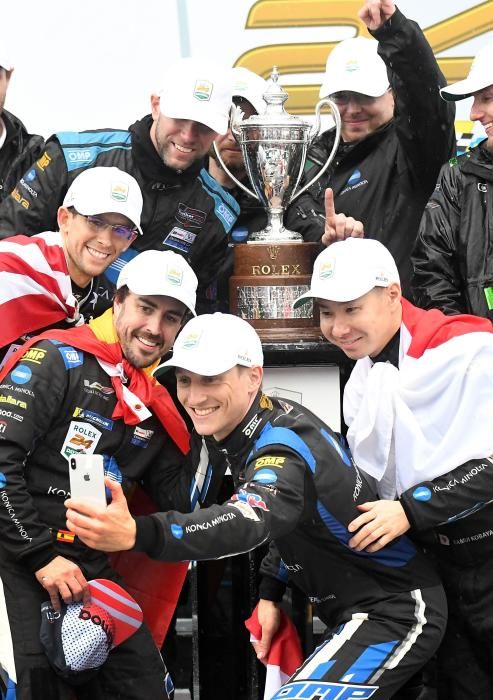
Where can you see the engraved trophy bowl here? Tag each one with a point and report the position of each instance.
(274, 267)
(274, 145)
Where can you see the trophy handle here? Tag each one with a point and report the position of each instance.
(230, 174)
(314, 132)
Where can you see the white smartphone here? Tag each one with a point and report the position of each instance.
(87, 478)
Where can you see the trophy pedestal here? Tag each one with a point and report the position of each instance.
(267, 278)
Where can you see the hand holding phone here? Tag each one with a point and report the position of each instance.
(87, 478)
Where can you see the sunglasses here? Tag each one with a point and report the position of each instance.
(118, 230)
(343, 98)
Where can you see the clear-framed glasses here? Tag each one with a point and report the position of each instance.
(119, 230)
(345, 97)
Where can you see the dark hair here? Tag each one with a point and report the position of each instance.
(121, 294)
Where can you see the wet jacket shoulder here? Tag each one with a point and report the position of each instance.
(18, 152)
(451, 270)
(385, 179)
(57, 402)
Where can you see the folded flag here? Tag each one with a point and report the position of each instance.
(285, 654)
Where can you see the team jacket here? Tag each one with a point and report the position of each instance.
(56, 402)
(453, 264)
(18, 151)
(187, 212)
(385, 179)
(294, 483)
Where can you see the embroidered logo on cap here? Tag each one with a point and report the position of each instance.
(327, 269)
(119, 192)
(174, 275)
(191, 340)
(351, 65)
(203, 90)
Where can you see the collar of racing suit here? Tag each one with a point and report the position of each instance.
(149, 162)
(241, 441)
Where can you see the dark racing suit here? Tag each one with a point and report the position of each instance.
(452, 258)
(55, 402)
(386, 178)
(296, 485)
(187, 212)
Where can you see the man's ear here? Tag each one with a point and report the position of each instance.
(63, 215)
(394, 293)
(256, 374)
(155, 106)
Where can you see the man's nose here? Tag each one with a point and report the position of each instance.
(190, 129)
(339, 327)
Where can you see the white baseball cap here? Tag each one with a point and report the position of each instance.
(103, 190)
(355, 66)
(161, 273)
(348, 269)
(480, 77)
(250, 86)
(215, 343)
(197, 89)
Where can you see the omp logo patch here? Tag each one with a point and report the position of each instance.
(35, 355)
(269, 461)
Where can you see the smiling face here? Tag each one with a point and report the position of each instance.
(362, 327)
(89, 250)
(362, 115)
(218, 404)
(179, 142)
(146, 326)
(482, 111)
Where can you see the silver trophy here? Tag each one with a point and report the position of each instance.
(274, 146)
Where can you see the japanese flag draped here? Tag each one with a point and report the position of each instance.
(35, 287)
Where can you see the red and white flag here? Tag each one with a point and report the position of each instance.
(285, 655)
(35, 286)
(424, 419)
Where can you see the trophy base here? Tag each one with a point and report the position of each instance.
(267, 279)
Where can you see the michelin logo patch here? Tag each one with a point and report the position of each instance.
(92, 417)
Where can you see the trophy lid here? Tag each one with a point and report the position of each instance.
(274, 112)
